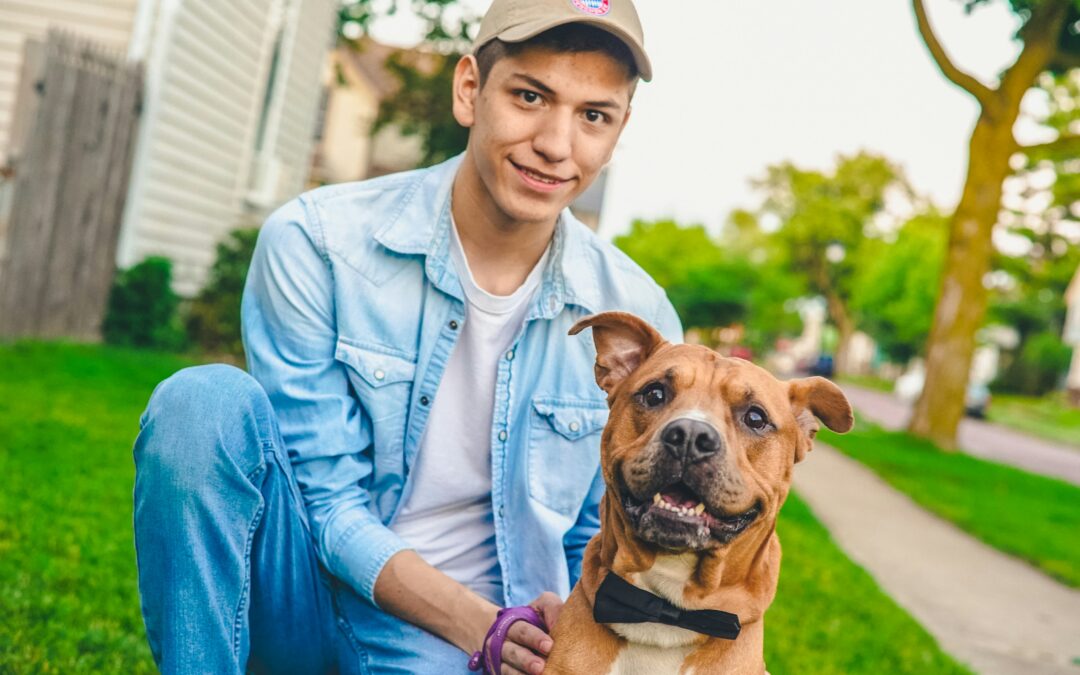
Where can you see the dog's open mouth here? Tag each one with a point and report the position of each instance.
(677, 518)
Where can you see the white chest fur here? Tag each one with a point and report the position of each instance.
(656, 649)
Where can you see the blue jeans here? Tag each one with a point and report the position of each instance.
(228, 574)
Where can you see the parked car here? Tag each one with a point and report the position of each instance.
(976, 399)
(823, 366)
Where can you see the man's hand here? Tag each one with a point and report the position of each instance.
(526, 646)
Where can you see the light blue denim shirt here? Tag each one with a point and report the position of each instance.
(351, 309)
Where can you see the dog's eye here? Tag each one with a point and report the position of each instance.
(755, 419)
(653, 395)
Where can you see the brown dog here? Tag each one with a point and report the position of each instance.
(697, 455)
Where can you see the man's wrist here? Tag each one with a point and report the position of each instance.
(475, 625)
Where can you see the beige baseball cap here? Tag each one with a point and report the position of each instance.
(519, 20)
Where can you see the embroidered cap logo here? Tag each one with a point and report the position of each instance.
(593, 7)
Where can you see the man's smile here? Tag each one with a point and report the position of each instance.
(539, 180)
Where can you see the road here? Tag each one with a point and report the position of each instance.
(978, 438)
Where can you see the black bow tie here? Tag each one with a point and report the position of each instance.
(619, 601)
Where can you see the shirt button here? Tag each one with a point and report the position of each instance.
(379, 375)
(453, 324)
(424, 400)
(510, 355)
(574, 426)
(500, 512)
(502, 435)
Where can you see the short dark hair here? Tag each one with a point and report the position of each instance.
(574, 38)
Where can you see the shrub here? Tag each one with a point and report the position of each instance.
(142, 307)
(213, 319)
(1042, 361)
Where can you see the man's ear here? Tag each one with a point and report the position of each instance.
(623, 342)
(466, 90)
(816, 397)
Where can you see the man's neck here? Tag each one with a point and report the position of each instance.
(501, 252)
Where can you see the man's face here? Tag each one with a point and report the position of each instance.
(541, 127)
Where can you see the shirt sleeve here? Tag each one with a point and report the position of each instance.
(290, 337)
(586, 527)
(667, 321)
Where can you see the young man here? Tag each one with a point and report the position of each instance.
(418, 442)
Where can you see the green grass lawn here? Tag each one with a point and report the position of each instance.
(68, 593)
(1029, 516)
(868, 382)
(1049, 416)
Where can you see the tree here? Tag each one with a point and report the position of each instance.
(824, 222)
(421, 105)
(893, 298)
(1048, 45)
(713, 286)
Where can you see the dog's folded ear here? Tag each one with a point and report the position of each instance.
(816, 397)
(623, 342)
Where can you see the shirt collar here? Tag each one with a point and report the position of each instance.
(420, 225)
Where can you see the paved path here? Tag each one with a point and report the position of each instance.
(982, 439)
(990, 611)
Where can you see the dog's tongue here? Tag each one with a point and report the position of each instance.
(680, 495)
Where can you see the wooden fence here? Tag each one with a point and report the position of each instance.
(71, 182)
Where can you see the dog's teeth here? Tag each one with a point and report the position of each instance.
(656, 498)
(699, 509)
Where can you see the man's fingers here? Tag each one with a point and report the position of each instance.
(510, 670)
(548, 605)
(517, 657)
(530, 636)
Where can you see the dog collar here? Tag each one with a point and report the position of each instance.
(619, 601)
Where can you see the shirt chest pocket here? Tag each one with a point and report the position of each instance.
(564, 451)
(383, 383)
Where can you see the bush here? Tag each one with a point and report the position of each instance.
(213, 319)
(142, 307)
(1042, 361)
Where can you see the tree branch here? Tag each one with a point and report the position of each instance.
(1040, 36)
(1062, 61)
(1063, 143)
(965, 81)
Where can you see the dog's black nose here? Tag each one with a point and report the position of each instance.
(691, 440)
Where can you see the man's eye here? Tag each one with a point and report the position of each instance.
(595, 116)
(653, 395)
(755, 419)
(529, 96)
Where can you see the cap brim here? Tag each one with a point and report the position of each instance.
(533, 28)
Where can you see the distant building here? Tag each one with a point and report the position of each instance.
(355, 81)
(1071, 337)
(229, 113)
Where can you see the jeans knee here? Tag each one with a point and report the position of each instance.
(200, 415)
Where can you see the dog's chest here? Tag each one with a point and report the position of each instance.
(638, 659)
(657, 649)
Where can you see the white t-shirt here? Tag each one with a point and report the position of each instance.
(446, 514)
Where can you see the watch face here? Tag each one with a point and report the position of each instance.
(593, 7)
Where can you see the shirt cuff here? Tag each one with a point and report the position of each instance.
(359, 554)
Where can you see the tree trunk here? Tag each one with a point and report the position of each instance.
(845, 328)
(962, 296)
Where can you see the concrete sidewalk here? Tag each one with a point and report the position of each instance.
(978, 438)
(991, 611)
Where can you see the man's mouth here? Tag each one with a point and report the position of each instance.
(676, 517)
(539, 180)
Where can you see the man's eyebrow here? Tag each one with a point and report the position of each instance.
(535, 82)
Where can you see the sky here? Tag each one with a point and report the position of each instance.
(741, 84)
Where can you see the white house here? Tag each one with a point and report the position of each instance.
(231, 98)
(1071, 336)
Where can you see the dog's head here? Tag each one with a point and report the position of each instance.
(699, 448)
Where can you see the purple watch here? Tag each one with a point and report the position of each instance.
(489, 658)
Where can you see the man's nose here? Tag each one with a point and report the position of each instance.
(691, 440)
(554, 140)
